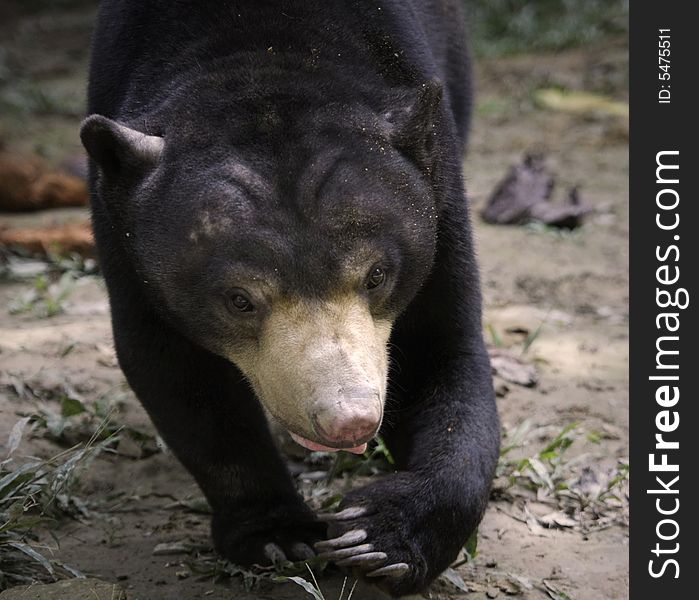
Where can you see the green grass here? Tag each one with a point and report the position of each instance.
(314, 590)
(377, 459)
(55, 279)
(579, 496)
(46, 299)
(208, 565)
(34, 494)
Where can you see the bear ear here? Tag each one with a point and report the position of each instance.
(118, 149)
(413, 126)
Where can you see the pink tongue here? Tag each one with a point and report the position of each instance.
(320, 448)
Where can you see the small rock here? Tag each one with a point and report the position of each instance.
(25, 269)
(170, 549)
(70, 589)
(512, 369)
(492, 592)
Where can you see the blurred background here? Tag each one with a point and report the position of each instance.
(85, 484)
(44, 52)
(501, 27)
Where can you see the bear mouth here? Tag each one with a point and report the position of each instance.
(316, 447)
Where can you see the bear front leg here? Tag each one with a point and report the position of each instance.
(209, 417)
(406, 528)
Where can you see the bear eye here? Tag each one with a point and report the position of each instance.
(375, 278)
(238, 301)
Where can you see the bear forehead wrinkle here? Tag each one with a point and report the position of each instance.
(342, 211)
(246, 177)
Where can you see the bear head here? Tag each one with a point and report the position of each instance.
(287, 239)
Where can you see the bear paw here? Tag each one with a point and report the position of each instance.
(266, 541)
(382, 532)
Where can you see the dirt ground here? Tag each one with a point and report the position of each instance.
(557, 300)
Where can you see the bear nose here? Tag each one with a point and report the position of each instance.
(349, 422)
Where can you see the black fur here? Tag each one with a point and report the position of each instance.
(353, 116)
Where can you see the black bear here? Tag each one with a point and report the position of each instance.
(278, 207)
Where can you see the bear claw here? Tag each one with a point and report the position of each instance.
(348, 539)
(301, 551)
(343, 551)
(353, 512)
(275, 554)
(367, 560)
(298, 551)
(395, 570)
(346, 552)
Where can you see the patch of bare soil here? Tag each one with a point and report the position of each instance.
(557, 301)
